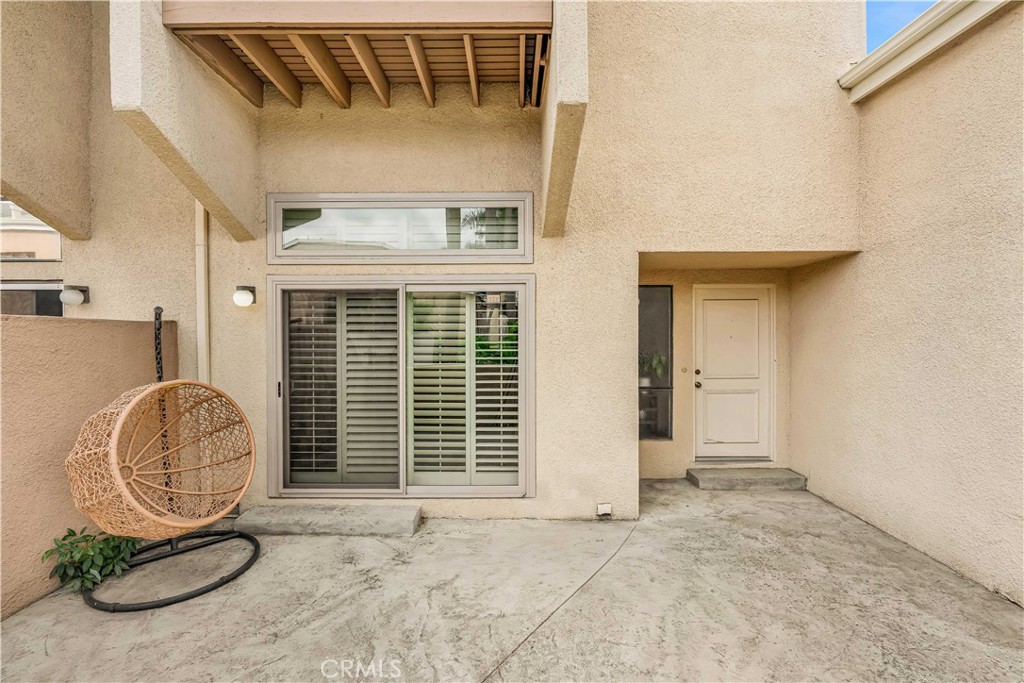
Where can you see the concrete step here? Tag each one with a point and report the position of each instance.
(331, 520)
(746, 479)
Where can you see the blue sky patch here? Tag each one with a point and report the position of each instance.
(886, 17)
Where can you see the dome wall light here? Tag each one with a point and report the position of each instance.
(244, 296)
(74, 295)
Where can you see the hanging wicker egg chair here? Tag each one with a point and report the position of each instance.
(162, 460)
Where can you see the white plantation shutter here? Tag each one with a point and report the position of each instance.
(343, 387)
(369, 387)
(312, 359)
(496, 390)
(459, 366)
(437, 391)
(463, 388)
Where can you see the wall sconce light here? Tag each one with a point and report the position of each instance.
(74, 295)
(244, 296)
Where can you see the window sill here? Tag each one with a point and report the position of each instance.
(918, 40)
(413, 493)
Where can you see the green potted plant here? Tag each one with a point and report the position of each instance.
(650, 365)
(84, 560)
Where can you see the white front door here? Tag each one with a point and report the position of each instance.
(733, 372)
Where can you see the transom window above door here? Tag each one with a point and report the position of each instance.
(402, 386)
(420, 228)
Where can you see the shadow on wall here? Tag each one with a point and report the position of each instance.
(56, 373)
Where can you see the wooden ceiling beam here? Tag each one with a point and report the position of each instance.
(474, 77)
(325, 66)
(522, 70)
(535, 90)
(266, 60)
(338, 31)
(222, 59)
(419, 60)
(185, 14)
(363, 51)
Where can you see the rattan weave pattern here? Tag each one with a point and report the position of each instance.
(162, 460)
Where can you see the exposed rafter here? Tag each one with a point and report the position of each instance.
(522, 71)
(266, 60)
(339, 59)
(419, 60)
(537, 54)
(314, 50)
(474, 76)
(225, 62)
(367, 59)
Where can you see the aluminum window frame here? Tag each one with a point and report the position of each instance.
(277, 482)
(35, 286)
(278, 201)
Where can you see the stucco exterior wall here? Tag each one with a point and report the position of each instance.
(670, 458)
(203, 129)
(720, 129)
(409, 148)
(735, 138)
(45, 111)
(56, 373)
(141, 253)
(907, 379)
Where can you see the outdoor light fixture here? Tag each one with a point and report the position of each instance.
(244, 296)
(74, 295)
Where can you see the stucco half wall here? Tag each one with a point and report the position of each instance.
(907, 381)
(56, 373)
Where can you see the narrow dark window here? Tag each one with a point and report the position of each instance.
(654, 364)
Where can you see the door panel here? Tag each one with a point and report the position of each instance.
(731, 326)
(731, 416)
(735, 371)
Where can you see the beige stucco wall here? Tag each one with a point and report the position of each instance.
(720, 128)
(141, 253)
(56, 373)
(141, 250)
(747, 144)
(670, 458)
(907, 379)
(639, 194)
(407, 148)
(44, 167)
(203, 129)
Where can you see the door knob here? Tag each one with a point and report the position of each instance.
(697, 371)
(697, 384)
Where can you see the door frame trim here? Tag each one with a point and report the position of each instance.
(773, 379)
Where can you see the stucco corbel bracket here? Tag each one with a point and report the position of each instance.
(564, 112)
(197, 125)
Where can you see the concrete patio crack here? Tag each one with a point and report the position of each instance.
(560, 606)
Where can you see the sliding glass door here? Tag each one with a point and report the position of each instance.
(343, 387)
(463, 395)
(412, 388)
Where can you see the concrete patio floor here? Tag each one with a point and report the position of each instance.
(706, 586)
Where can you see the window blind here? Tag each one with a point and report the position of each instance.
(343, 384)
(464, 388)
(461, 374)
(312, 358)
(438, 371)
(369, 387)
(496, 389)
